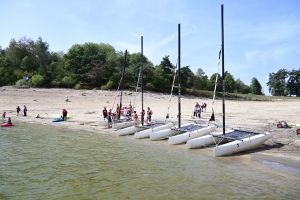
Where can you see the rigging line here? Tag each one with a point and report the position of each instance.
(136, 90)
(213, 102)
(117, 92)
(215, 89)
(241, 112)
(171, 93)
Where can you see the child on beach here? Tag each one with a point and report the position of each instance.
(3, 115)
(135, 118)
(18, 110)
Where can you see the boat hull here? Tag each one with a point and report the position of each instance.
(244, 145)
(184, 137)
(122, 125)
(103, 123)
(204, 141)
(160, 135)
(6, 125)
(129, 130)
(146, 133)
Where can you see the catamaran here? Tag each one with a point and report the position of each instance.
(236, 140)
(142, 129)
(189, 129)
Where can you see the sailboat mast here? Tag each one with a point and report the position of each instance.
(179, 80)
(125, 60)
(223, 74)
(142, 73)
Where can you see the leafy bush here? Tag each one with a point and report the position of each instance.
(107, 86)
(68, 82)
(36, 80)
(77, 87)
(21, 82)
(55, 83)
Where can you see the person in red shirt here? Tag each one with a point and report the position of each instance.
(149, 114)
(135, 118)
(65, 113)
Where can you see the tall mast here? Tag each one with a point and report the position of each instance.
(142, 73)
(223, 74)
(125, 60)
(179, 81)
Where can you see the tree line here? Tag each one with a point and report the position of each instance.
(93, 65)
(284, 82)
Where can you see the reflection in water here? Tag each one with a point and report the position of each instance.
(38, 162)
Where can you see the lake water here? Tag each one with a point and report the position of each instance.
(47, 162)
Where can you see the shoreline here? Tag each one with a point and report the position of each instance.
(85, 107)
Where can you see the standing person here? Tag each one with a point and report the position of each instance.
(143, 116)
(135, 118)
(109, 120)
(204, 107)
(149, 114)
(117, 109)
(18, 110)
(3, 115)
(104, 113)
(195, 111)
(25, 110)
(125, 112)
(199, 111)
(65, 113)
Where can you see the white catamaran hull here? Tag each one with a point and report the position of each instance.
(159, 135)
(146, 133)
(182, 138)
(244, 145)
(122, 125)
(204, 141)
(129, 130)
(103, 123)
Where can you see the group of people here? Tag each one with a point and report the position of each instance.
(109, 115)
(198, 109)
(9, 121)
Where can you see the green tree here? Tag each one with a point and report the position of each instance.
(256, 87)
(293, 83)
(201, 80)
(229, 83)
(212, 81)
(277, 82)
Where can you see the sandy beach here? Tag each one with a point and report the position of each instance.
(85, 107)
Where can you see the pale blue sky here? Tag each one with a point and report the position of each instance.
(261, 36)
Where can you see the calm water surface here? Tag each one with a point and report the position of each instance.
(47, 162)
